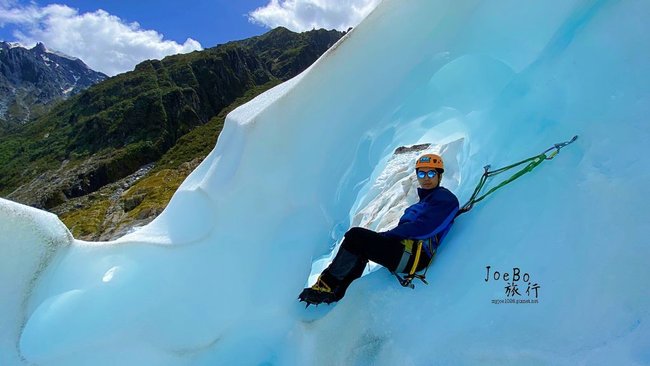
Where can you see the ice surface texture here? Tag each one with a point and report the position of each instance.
(214, 279)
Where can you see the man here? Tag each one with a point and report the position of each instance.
(408, 248)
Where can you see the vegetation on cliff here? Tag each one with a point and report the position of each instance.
(167, 113)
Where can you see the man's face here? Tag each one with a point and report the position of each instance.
(428, 182)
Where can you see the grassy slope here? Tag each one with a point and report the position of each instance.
(152, 193)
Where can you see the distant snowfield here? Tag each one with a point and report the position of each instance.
(214, 279)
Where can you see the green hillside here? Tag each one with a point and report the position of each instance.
(165, 113)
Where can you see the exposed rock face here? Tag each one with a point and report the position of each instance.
(32, 79)
(408, 149)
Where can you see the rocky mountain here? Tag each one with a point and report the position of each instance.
(31, 80)
(112, 155)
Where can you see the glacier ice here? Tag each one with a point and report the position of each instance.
(214, 279)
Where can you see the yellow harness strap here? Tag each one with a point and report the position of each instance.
(413, 249)
(408, 252)
(418, 251)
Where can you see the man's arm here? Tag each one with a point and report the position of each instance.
(437, 216)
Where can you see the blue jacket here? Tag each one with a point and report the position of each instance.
(430, 218)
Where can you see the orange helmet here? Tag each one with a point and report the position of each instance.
(430, 161)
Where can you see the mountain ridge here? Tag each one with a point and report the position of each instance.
(109, 131)
(33, 80)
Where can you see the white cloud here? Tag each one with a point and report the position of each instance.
(302, 15)
(103, 41)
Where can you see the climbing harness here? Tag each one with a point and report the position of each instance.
(533, 162)
(407, 280)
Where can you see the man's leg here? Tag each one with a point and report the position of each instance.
(370, 245)
(359, 246)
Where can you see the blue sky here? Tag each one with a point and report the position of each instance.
(113, 36)
(208, 21)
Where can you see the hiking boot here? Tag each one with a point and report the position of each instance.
(322, 292)
(315, 297)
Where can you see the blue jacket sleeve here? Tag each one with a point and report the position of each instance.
(427, 218)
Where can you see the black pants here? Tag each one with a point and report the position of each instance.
(359, 246)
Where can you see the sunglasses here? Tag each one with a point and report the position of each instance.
(430, 174)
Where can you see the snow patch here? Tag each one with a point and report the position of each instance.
(61, 54)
